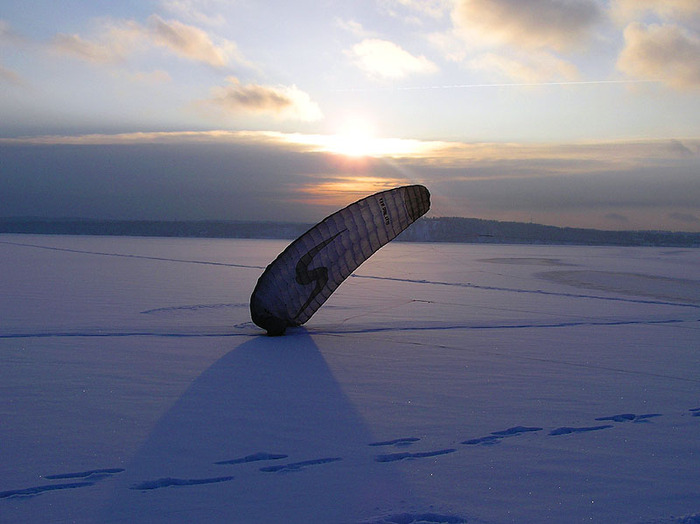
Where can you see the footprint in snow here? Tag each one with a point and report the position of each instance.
(398, 442)
(626, 417)
(167, 482)
(87, 478)
(255, 457)
(496, 436)
(92, 474)
(90, 477)
(394, 457)
(38, 490)
(298, 466)
(567, 430)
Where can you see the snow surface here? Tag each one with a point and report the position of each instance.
(441, 383)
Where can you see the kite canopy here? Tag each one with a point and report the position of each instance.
(307, 272)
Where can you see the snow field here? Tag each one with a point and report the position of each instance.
(441, 383)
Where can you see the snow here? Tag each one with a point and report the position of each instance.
(441, 383)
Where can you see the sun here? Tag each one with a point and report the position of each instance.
(355, 138)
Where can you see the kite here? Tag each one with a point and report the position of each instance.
(310, 269)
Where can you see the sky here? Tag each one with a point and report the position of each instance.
(581, 113)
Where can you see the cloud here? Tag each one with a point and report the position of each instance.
(533, 68)
(679, 11)
(661, 52)
(679, 147)
(449, 45)
(75, 46)
(185, 41)
(337, 189)
(384, 59)
(425, 8)
(149, 78)
(194, 10)
(464, 160)
(119, 39)
(6, 33)
(686, 218)
(287, 102)
(353, 27)
(536, 24)
(9, 35)
(521, 41)
(8, 76)
(120, 176)
(617, 217)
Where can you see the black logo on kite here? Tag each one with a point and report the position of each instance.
(306, 276)
(385, 211)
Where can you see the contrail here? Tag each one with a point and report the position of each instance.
(513, 84)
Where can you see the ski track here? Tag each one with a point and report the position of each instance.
(102, 334)
(127, 255)
(530, 291)
(358, 331)
(193, 307)
(88, 478)
(529, 325)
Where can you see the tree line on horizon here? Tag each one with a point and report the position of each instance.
(436, 229)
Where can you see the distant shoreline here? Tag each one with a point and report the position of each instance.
(444, 229)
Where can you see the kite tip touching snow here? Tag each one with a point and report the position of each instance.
(307, 272)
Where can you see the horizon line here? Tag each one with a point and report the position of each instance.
(303, 223)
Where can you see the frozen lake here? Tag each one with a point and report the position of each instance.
(441, 383)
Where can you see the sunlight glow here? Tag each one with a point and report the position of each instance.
(356, 139)
(339, 191)
(356, 146)
(354, 185)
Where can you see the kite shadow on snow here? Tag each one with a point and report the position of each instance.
(269, 403)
